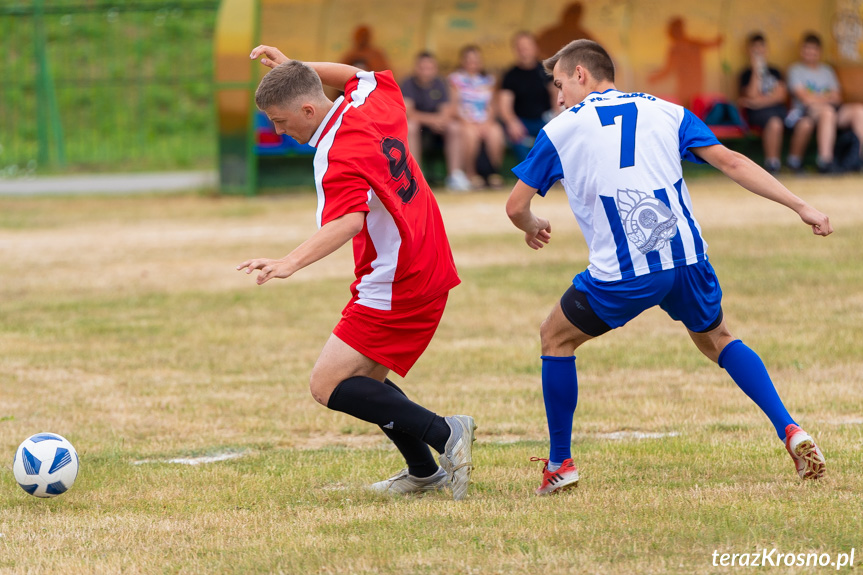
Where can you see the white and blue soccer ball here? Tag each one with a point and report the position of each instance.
(45, 465)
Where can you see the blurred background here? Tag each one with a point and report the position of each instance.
(95, 86)
(106, 86)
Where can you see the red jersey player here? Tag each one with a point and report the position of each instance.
(371, 190)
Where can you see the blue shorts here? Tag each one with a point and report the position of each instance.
(689, 294)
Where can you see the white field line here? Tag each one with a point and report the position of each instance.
(619, 435)
(195, 460)
(379, 443)
(508, 439)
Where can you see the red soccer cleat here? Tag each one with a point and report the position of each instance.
(808, 459)
(566, 477)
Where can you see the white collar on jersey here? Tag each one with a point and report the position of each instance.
(320, 131)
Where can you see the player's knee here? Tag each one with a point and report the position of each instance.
(320, 388)
(550, 337)
(545, 331)
(712, 343)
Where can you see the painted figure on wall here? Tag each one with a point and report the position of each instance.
(568, 29)
(684, 62)
(365, 55)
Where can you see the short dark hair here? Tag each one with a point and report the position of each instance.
(586, 53)
(754, 38)
(286, 83)
(425, 54)
(812, 38)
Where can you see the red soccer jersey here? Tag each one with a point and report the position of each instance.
(362, 164)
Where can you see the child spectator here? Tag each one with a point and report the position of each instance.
(472, 92)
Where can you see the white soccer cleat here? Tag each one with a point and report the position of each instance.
(404, 483)
(808, 459)
(456, 458)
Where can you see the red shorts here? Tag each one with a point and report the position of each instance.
(393, 338)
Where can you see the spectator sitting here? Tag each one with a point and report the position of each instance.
(817, 104)
(527, 96)
(473, 98)
(763, 94)
(431, 122)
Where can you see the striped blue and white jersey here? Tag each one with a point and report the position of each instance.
(619, 157)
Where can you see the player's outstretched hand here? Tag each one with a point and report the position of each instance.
(272, 57)
(269, 269)
(539, 235)
(820, 222)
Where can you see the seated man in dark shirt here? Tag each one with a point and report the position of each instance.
(762, 95)
(527, 97)
(431, 122)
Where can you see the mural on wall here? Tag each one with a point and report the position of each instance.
(649, 40)
(569, 28)
(364, 54)
(673, 48)
(685, 62)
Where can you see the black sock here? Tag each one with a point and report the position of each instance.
(419, 459)
(376, 402)
(437, 434)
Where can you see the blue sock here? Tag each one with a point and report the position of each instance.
(560, 394)
(748, 372)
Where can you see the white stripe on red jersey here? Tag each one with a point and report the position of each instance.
(362, 164)
(376, 288)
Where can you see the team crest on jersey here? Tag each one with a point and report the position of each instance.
(648, 222)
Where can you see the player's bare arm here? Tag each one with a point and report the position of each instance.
(755, 179)
(331, 74)
(325, 241)
(537, 231)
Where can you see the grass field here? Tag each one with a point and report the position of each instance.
(124, 327)
(132, 82)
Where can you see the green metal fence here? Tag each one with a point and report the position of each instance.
(96, 85)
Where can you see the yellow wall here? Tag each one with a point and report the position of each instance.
(634, 31)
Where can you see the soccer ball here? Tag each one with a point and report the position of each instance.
(45, 465)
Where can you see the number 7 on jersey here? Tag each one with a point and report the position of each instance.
(629, 115)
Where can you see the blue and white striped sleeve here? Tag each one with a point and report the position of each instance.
(542, 168)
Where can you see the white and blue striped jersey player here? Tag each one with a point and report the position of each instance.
(619, 158)
(624, 180)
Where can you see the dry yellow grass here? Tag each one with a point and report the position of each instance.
(124, 326)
